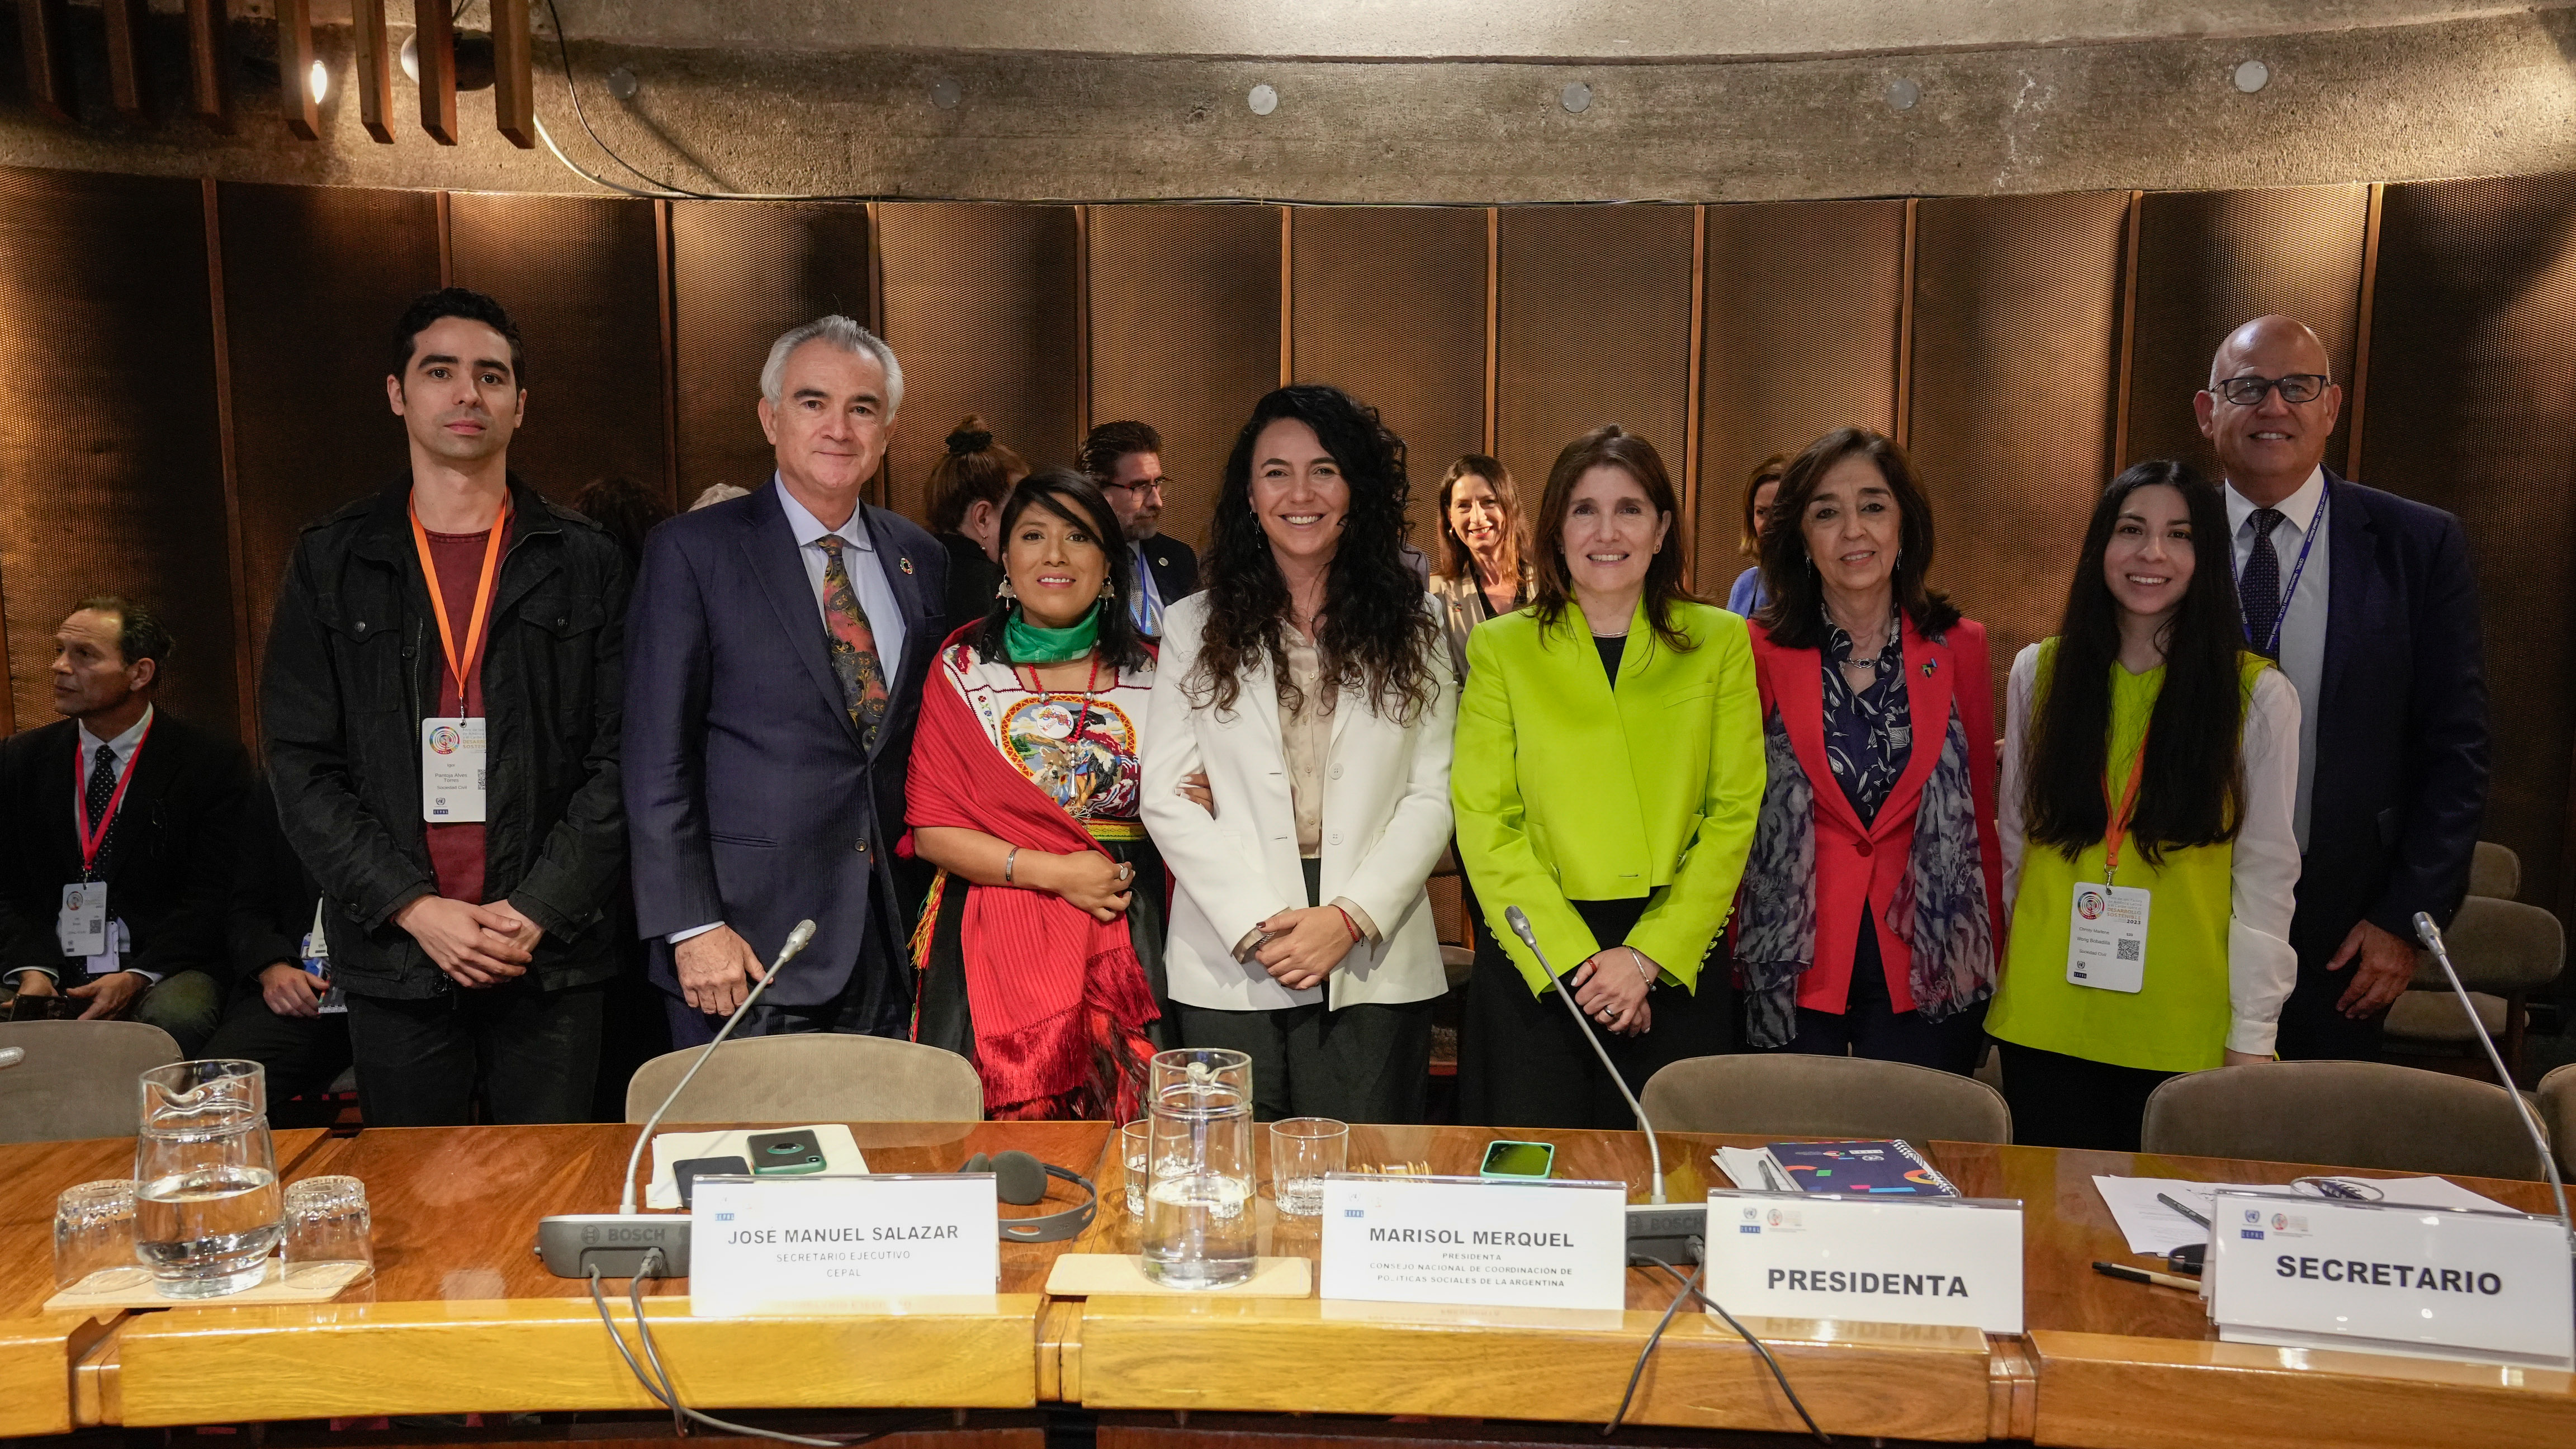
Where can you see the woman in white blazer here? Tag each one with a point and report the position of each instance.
(1296, 771)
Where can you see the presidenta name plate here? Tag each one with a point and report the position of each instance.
(796, 1245)
(2305, 1272)
(1952, 1262)
(1476, 1241)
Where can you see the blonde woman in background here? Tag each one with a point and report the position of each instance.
(1479, 572)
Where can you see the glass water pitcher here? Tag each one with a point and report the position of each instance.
(207, 1212)
(1199, 1222)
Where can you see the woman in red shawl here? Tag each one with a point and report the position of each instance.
(1037, 955)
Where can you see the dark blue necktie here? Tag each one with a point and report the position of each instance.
(2258, 589)
(101, 790)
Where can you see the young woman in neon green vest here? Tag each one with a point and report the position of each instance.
(2150, 762)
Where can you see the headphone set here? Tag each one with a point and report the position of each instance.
(1019, 1179)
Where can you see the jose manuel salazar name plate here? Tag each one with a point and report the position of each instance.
(768, 1245)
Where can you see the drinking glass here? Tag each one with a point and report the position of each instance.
(1199, 1229)
(1135, 1149)
(1302, 1150)
(94, 1232)
(327, 1226)
(206, 1209)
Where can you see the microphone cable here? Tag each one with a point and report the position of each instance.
(665, 1394)
(1691, 1289)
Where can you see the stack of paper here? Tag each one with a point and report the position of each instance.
(2153, 1227)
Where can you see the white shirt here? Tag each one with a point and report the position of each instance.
(859, 558)
(2263, 876)
(867, 580)
(2303, 613)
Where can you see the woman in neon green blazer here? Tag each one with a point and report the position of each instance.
(1608, 770)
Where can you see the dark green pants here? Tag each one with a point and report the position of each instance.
(1363, 1063)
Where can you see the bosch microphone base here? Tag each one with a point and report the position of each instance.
(617, 1244)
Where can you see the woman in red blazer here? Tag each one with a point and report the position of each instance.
(1871, 915)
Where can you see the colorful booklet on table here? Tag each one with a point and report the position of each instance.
(1870, 1168)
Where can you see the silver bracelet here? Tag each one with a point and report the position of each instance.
(1640, 962)
(1008, 862)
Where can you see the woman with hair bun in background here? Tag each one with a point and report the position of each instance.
(967, 485)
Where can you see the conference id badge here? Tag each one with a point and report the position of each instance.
(80, 927)
(2106, 939)
(451, 770)
(112, 956)
(317, 964)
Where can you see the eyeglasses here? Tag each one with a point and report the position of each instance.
(2248, 392)
(1141, 485)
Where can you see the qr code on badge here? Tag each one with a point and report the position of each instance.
(2129, 949)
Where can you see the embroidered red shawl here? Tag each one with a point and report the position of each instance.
(1059, 999)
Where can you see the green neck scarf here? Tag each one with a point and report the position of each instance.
(1030, 644)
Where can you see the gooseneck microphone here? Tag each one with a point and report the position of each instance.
(2431, 935)
(1521, 928)
(573, 1243)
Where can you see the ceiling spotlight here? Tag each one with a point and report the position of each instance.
(622, 84)
(1576, 97)
(473, 54)
(1263, 99)
(319, 81)
(411, 59)
(2252, 76)
(1902, 94)
(945, 94)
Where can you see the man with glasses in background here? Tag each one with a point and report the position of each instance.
(2366, 600)
(1126, 460)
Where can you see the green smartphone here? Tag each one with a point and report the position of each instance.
(1518, 1159)
(784, 1154)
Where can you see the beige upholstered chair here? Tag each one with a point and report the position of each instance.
(2504, 951)
(812, 1077)
(1792, 1094)
(2494, 870)
(78, 1078)
(2343, 1114)
(2557, 1101)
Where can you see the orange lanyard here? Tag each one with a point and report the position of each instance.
(456, 663)
(2120, 818)
(91, 842)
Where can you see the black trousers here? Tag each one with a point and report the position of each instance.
(302, 1053)
(2063, 1101)
(1869, 1024)
(2313, 1030)
(1522, 1062)
(530, 1053)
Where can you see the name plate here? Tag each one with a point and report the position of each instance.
(793, 1245)
(2306, 1272)
(1467, 1240)
(1953, 1262)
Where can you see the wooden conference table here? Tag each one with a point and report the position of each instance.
(461, 1317)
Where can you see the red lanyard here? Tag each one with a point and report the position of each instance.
(91, 841)
(482, 595)
(2120, 819)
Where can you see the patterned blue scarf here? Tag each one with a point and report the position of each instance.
(1939, 911)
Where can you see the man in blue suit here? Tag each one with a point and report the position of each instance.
(2367, 602)
(775, 654)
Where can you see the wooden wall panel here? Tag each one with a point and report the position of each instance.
(2209, 260)
(2016, 333)
(2473, 409)
(315, 277)
(1388, 303)
(578, 274)
(111, 472)
(1593, 328)
(742, 273)
(1184, 335)
(983, 305)
(1803, 305)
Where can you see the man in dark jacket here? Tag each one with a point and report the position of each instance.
(442, 694)
(282, 1013)
(123, 797)
(1126, 460)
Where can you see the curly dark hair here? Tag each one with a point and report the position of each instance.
(1375, 635)
(1104, 445)
(1078, 501)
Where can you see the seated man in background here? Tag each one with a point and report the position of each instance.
(122, 822)
(283, 1014)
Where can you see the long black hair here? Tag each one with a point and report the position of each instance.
(1078, 501)
(1375, 634)
(1795, 617)
(2192, 790)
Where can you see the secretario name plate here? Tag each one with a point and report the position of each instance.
(793, 1245)
(2305, 1272)
(1948, 1261)
(1468, 1240)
